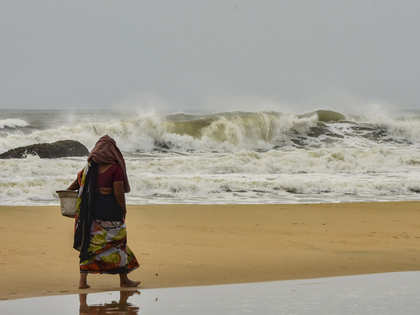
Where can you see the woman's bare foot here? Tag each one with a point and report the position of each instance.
(127, 283)
(83, 281)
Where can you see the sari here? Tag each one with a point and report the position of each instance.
(102, 243)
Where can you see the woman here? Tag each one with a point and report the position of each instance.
(100, 232)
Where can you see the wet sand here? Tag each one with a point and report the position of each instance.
(384, 294)
(180, 245)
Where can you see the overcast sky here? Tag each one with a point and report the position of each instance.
(192, 54)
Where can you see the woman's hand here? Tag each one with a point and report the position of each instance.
(74, 185)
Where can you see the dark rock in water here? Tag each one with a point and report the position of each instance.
(163, 145)
(379, 134)
(322, 129)
(298, 141)
(57, 149)
(376, 135)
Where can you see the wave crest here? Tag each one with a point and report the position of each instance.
(11, 123)
(222, 132)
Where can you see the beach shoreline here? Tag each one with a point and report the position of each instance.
(188, 244)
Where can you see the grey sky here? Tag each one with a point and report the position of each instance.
(198, 54)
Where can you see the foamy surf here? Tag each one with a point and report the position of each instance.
(11, 123)
(234, 157)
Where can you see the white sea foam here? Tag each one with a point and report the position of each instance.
(226, 132)
(240, 177)
(12, 123)
(231, 158)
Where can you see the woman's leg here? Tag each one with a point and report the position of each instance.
(125, 282)
(83, 281)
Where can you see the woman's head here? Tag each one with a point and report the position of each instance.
(103, 151)
(106, 151)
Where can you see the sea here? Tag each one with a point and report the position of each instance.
(234, 157)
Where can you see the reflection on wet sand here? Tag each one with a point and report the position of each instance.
(385, 294)
(120, 307)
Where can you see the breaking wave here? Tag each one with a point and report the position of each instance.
(11, 123)
(222, 132)
(231, 157)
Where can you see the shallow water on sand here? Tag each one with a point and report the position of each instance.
(390, 293)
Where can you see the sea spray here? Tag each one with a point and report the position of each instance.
(205, 133)
(234, 157)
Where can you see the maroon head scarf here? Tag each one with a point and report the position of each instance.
(107, 152)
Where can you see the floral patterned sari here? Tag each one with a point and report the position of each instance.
(102, 244)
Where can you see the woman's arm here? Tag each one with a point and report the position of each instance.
(119, 193)
(74, 185)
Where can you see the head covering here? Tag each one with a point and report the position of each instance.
(107, 152)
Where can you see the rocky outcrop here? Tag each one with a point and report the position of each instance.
(57, 149)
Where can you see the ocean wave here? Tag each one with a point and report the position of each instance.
(251, 177)
(231, 157)
(226, 132)
(11, 123)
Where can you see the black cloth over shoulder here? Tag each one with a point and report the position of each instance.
(87, 206)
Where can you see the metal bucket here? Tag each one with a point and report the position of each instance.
(68, 200)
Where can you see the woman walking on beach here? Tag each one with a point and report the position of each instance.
(100, 232)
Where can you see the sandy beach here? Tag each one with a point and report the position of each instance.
(181, 245)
